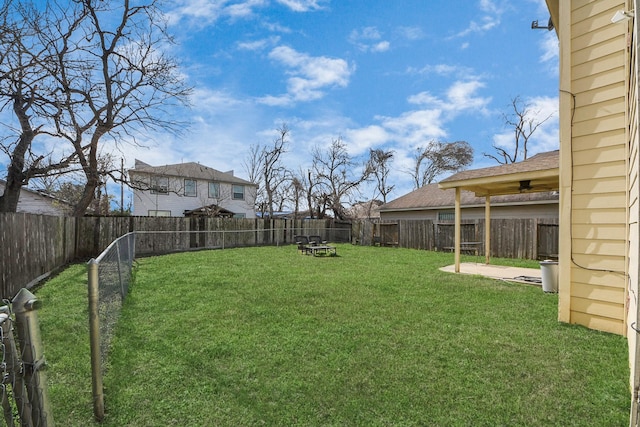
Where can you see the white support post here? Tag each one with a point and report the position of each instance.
(457, 231)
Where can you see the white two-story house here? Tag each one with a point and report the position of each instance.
(173, 190)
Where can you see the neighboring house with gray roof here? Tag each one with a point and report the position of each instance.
(39, 202)
(172, 190)
(522, 189)
(430, 202)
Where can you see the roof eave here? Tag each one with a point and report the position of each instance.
(472, 205)
(232, 180)
(554, 11)
(540, 180)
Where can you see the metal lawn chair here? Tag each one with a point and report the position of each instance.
(317, 240)
(302, 242)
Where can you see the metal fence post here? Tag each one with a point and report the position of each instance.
(24, 306)
(14, 371)
(94, 338)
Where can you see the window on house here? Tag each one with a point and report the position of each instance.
(214, 190)
(238, 192)
(190, 188)
(446, 216)
(239, 215)
(159, 185)
(159, 213)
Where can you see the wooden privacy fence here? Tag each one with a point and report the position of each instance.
(510, 238)
(32, 246)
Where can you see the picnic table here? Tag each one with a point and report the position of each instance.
(315, 249)
(314, 245)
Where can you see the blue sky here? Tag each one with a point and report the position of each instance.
(377, 73)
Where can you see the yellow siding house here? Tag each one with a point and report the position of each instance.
(596, 172)
(599, 209)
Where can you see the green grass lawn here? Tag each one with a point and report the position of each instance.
(372, 337)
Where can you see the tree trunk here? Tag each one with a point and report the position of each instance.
(88, 194)
(16, 178)
(91, 172)
(9, 200)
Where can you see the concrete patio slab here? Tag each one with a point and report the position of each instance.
(532, 276)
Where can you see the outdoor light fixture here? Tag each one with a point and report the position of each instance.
(536, 26)
(621, 16)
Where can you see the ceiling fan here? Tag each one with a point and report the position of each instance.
(525, 185)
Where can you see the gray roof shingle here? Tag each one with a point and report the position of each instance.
(541, 161)
(432, 197)
(189, 170)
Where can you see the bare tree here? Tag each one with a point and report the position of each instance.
(309, 184)
(103, 77)
(378, 165)
(297, 192)
(273, 172)
(336, 174)
(524, 123)
(437, 158)
(114, 79)
(25, 90)
(252, 167)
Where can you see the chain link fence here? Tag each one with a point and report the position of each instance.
(110, 275)
(23, 391)
(160, 242)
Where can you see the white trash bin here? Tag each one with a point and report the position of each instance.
(549, 271)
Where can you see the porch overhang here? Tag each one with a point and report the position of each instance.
(537, 174)
(498, 185)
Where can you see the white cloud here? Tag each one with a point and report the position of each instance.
(258, 44)
(369, 39)
(487, 23)
(411, 33)
(208, 100)
(549, 47)
(219, 134)
(381, 47)
(414, 128)
(303, 5)
(309, 76)
(491, 7)
(275, 27)
(461, 96)
(244, 8)
(361, 140)
(427, 122)
(424, 98)
(200, 10)
(443, 70)
(276, 101)
(204, 12)
(550, 57)
(490, 18)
